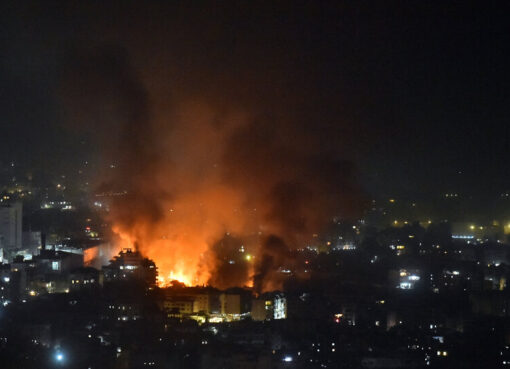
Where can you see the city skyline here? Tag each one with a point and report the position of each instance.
(254, 185)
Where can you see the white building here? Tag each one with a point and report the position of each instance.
(10, 226)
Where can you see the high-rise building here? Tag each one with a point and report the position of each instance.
(10, 226)
(129, 264)
(269, 306)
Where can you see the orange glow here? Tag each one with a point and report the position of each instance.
(179, 276)
(89, 255)
(179, 241)
(172, 264)
(185, 183)
(249, 283)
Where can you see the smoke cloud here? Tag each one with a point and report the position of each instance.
(221, 148)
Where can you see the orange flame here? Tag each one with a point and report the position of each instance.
(179, 242)
(170, 267)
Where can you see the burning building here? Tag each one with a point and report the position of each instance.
(131, 265)
(194, 160)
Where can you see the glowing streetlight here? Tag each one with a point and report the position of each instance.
(59, 357)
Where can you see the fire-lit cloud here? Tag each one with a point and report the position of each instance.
(225, 163)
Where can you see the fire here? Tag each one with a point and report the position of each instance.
(179, 238)
(178, 276)
(197, 161)
(173, 263)
(90, 254)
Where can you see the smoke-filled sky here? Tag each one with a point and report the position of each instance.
(419, 88)
(206, 148)
(412, 92)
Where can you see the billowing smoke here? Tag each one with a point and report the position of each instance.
(273, 254)
(222, 152)
(230, 268)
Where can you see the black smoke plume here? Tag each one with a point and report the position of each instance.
(209, 127)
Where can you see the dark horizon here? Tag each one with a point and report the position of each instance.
(413, 93)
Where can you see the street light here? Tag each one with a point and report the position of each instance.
(59, 357)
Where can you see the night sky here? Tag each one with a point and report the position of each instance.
(415, 93)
